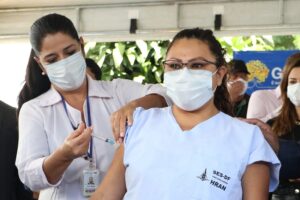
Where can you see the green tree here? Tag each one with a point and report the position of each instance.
(139, 60)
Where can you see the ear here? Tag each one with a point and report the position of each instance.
(82, 45)
(81, 40)
(37, 60)
(222, 71)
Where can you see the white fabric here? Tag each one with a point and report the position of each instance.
(189, 89)
(44, 125)
(69, 73)
(264, 104)
(293, 93)
(208, 162)
(245, 84)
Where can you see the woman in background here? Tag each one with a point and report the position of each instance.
(287, 126)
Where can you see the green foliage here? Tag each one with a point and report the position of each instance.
(284, 42)
(141, 60)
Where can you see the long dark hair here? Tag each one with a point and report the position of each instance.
(221, 97)
(36, 83)
(287, 117)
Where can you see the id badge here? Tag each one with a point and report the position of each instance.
(90, 181)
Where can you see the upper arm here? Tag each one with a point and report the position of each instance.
(255, 181)
(32, 128)
(30, 157)
(261, 152)
(113, 185)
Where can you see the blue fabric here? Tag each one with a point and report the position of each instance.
(206, 162)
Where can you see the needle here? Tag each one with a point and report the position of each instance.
(108, 140)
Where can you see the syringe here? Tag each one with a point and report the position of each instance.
(108, 140)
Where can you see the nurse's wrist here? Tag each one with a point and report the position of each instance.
(133, 104)
(65, 154)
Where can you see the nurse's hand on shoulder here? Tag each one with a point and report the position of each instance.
(77, 143)
(269, 135)
(120, 119)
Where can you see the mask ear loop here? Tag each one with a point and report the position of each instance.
(215, 72)
(212, 76)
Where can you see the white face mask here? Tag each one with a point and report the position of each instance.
(293, 93)
(67, 74)
(189, 89)
(245, 83)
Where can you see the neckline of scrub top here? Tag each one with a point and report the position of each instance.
(194, 129)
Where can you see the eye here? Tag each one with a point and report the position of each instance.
(51, 60)
(71, 53)
(198, 65)
(292, 82)
(173, 65)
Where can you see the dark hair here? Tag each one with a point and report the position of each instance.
(221, 97)
(36, 83)
(237, 66)
(94, 67)
(285, 121)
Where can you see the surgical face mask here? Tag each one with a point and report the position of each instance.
(293, 93)
(67, 74)
(189, 89)
(245, 85)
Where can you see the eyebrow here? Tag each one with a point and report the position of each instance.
(193, 59)
(53, 54)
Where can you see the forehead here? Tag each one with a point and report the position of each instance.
(186, 49)
(56, 42)
(295, 73)
(237, 74)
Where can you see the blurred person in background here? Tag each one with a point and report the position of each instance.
(264, 104)
(11, 188)
(237, 84)
(287, 126)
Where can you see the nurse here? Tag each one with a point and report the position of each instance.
(193, 149)
(65, 134)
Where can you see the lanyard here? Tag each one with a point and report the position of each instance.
(89, 122)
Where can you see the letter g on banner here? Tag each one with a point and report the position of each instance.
(276, 73)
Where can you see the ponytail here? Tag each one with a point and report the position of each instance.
(35, 83)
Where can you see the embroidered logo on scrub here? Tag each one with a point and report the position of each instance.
(218, 179)
(203, 176)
